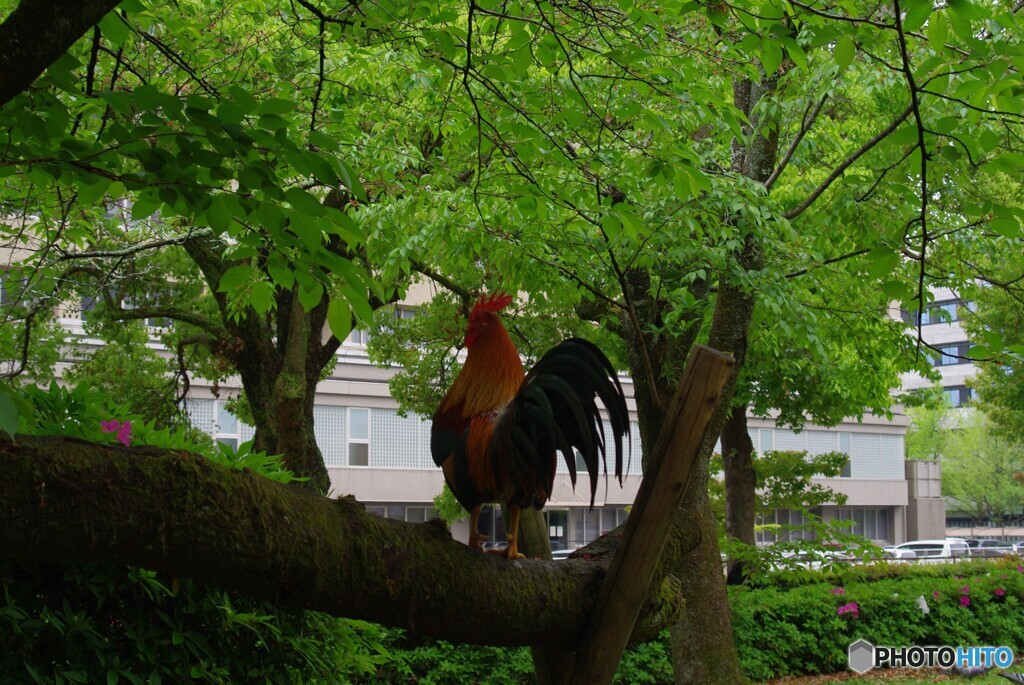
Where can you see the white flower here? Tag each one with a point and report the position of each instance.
(922, 604)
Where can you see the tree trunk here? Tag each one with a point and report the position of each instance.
(279, 362)
(740, 486)
(703, 647)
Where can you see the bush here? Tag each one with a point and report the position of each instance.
(801, 630)
(428, 662)
(97, 624)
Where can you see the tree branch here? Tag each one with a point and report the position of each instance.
(37, 33)
(178, 513)
(838, 171)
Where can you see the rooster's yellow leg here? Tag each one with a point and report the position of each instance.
(512, 533)
(475, 536)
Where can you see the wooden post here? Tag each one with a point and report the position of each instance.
(650, 520)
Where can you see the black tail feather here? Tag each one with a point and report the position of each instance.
(556, 410)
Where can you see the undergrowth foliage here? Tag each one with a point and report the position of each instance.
(103, 624)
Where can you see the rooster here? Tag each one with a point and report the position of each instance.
(497, 432)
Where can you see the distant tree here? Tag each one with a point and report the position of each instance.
(980, 469)
(931, 424)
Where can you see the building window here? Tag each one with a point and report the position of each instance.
(358, 337)
(358, 437)
(89, 303)
(951, 355)
(844, 447)
(558, 527)
(945, 311)
(872, 523)
(784, 525)
(958, 395)
(225, 428)
(151, 322)
(767, 440)
(588, 525)
(413, 513)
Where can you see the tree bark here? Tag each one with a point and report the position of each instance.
(68, 501)
(740, 486)
(279, 362)
(37, 33)
(674, 461)
(703, 647)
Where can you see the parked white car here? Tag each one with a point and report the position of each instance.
(935, 550)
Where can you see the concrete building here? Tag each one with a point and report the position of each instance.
(941, 327)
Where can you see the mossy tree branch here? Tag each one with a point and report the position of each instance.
(69, 501)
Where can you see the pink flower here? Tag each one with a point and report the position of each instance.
(935, 594)
(838, 591)
(852, 609)
(122, 428)
(965, 601)
(1020, 569)
(999, 592)
(966, 589)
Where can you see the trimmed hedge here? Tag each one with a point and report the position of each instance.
(807, 628)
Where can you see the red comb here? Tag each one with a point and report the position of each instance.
(492, 303)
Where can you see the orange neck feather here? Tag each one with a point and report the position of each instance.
(492, 373)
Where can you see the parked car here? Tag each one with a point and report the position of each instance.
(558, 554)
(989, 547)
(1018, 547)
(892, 552)
(934, 550)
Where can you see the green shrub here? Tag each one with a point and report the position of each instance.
(97, 624)
(799, 630)
(428, 662)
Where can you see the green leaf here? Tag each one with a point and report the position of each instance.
(234, 277)
(9, 414)
(91, 192)
(311, 296)
(359, 303)
(114, 29)
(1005, 226)
(219, 214)
(795, 51)
(308, 230)
(845, 51)
(280, 271)
(144, 207)
(303, 202)
(275, 106)
(881, 262)
(261, 297)
(611, 225)
(917, 13)
(938, 31)
(771, 55)
(339, 318)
